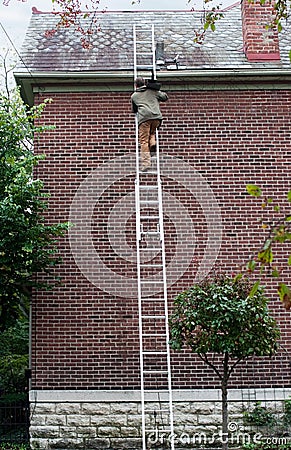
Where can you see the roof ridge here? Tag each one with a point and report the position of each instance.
(35, 10)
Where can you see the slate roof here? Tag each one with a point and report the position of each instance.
(113, 45)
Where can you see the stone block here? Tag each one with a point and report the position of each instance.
(108, 431)
(234, 408)
(44, 431)
(128, 444)
(86, 431)
(39, 444)
(44, 408)
(55, 419)
(68, 408)
(92, 444)
(217, 406)
(37, 419)
(134, 420)
(184, 419)
(203, 408)
(209, 419)
(68, 432)
(205, 429)
(182, 407)
(69, 444)
(129, 431)
(124, 408)
(95, 408)
(109, 420)
(78, 420)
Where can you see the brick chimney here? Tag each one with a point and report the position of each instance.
(260, 43)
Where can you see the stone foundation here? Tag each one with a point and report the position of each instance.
(112, 419)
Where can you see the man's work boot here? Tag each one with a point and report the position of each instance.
(153, 149)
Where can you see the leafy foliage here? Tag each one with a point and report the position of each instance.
(212, 13)
(13, 359)
(276, 224)
(10, 446)
(71, 13)
(218, 315)
(27, 244)
(260, 415)
(287, 411)
(267, 446)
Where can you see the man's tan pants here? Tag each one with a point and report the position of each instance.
(147, 139)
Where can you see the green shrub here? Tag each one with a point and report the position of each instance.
(14, 343)
(265, 446)
(287, 412)
(8, 446)
(260, 416)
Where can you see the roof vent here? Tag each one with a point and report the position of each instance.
(160, 54)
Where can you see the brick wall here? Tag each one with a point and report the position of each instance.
(84, 333)
(261, 41)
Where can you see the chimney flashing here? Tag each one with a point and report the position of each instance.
(263, 57)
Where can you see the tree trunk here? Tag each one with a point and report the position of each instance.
(224, 403)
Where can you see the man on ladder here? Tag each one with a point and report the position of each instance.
(146, 103)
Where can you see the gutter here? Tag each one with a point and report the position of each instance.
(183, 78)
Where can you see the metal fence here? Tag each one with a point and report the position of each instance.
(14, 421)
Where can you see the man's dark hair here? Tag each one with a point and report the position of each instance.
(139, 82)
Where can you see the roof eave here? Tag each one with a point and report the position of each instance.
(122, 80)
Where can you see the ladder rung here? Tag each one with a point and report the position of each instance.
(148, 187)
(151, 281)
(156, 371)
(157, 410)
(157, 431)
(144, 53)
(153, 317)
(144, 67)
(149, 217)
(150, 249)
(148, 352)
(150, 233)
(151, 265)
(153, 299)
(154, 335)
(144, 27)
(149, 202)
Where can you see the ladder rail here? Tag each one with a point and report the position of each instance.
(153, 52)
(162, 239)
(134, 54)
(138, 236)
(143, 283)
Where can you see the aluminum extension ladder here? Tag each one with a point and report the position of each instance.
(155, 366)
